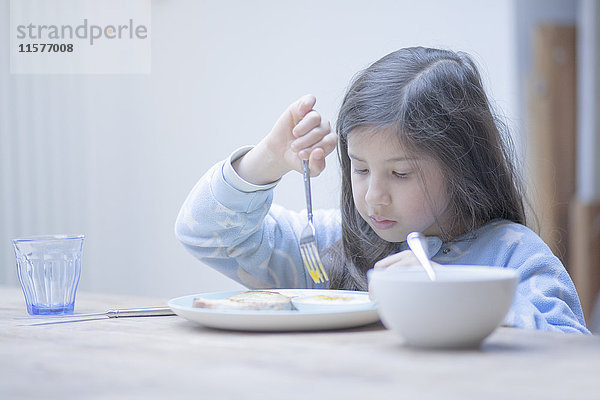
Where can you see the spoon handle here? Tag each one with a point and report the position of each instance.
(417, 243)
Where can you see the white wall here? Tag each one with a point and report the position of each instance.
(114, 156)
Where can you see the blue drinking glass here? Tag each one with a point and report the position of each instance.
(48, 268)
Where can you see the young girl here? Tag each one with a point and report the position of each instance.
(420, 150)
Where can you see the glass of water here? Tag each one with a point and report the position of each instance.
(49, 268)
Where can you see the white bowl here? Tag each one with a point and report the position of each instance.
(459, 309)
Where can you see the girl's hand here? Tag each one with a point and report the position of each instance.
(404, 258)
(299, 134)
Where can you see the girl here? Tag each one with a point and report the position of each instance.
(420, 150)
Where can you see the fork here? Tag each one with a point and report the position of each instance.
(308, 243)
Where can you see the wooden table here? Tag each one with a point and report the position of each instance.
(168, 357)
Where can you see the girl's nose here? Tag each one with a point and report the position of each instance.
(377, 194)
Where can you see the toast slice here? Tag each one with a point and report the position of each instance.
(249, 300)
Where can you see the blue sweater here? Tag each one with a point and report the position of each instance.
(232, 226)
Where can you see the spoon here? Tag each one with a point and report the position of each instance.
(417, 243)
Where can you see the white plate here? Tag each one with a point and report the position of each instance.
(281, 320)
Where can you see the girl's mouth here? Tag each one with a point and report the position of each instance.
(382, 223)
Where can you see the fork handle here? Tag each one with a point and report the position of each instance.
(307, 190)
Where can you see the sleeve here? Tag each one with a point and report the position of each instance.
(546, 298)
(232, 226)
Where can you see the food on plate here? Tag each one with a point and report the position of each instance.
(331, 302)
(249, 300)
(336, 299)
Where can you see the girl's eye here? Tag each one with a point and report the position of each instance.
(400, 175)
(361, 171)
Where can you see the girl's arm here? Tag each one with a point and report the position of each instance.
(546, 297)
(241, 235)
(227, 220)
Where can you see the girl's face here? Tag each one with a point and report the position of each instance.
(388, 192)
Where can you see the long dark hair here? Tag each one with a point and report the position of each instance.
(434, 100)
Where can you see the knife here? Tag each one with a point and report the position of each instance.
(116, 313)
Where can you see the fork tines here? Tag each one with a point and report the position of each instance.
(312, 262)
